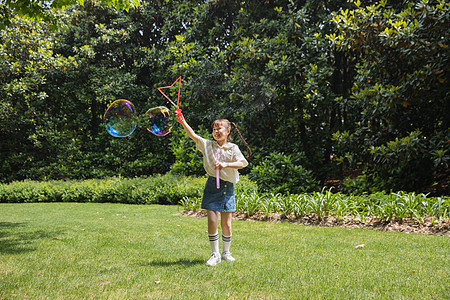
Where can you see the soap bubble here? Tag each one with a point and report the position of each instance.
(159, 122)
(120, 118)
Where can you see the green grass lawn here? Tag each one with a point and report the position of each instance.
(116, 251)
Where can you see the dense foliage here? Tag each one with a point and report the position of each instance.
(400, 97)
(280, 173)
(343, 85)
(43, 9)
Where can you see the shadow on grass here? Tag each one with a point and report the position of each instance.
(12, 241)
(181, 262)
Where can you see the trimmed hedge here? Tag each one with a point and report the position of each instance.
(158, 189)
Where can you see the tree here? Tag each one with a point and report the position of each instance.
(400, 99)
(29, 122)
(56, 86)
(43, 9)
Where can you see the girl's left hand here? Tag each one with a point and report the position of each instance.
(221, 165)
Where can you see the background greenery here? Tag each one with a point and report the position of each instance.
(328, 87)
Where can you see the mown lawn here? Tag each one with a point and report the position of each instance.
(118, 251)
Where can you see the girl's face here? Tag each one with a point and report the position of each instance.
(221, 132)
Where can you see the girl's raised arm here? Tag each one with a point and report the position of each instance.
(190, 132)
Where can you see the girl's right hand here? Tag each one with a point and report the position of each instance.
(180, 117)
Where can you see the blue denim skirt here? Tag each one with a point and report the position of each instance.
(221, 199)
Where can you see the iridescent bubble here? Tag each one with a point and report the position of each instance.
(120, 118)
(159, 122)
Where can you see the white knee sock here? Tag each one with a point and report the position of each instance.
(214, 241)
(226, 243)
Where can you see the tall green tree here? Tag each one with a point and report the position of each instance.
(103, 55)
(44, 9)
(29, 122)
(118, 56)
(400, 98)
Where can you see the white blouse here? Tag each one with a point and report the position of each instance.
(227, 153)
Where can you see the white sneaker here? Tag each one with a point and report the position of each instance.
(227, 256)
(213, 260)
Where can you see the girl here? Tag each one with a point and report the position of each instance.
(228, 158)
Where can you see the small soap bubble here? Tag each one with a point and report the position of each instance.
(120, 118)
(158, 120)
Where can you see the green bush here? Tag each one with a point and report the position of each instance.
(32, 191)
(167, 189)
(280, 173)
(158, 189)
(358, 185)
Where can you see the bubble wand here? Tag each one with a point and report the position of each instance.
(217, 171)
(167, 97)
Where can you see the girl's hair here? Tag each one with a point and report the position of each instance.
(229, 125)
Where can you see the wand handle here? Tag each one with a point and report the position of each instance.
(217, 171)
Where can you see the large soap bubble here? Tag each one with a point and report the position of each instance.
(159, 122)
(120, 118)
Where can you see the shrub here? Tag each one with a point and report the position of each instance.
(167, 189)
(280, 173)
(358, 185)
(158, 189)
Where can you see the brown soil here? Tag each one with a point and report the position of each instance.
(405, 225)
